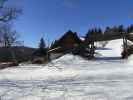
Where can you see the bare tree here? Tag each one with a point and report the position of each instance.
(8, 13)
(8, 36)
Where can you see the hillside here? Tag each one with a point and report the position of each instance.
(20, 53)
(68, 78)
(113, 49)
(71, 78)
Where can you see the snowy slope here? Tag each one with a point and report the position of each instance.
(68, 78)
(71, 78)
(114, 49)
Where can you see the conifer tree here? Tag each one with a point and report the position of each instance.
(121, 29)
(54, 44)
(130, 29)
(42, 47)
(100, 31)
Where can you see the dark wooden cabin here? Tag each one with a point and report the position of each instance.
(67, 42)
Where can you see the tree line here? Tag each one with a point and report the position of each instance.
(114, 30)
(94, 34)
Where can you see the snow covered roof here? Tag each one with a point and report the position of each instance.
(82, 39)
(131, 33)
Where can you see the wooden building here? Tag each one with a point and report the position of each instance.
(67, 42)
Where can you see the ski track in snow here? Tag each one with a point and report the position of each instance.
(70, 78)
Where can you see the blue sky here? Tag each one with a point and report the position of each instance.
(51, 18)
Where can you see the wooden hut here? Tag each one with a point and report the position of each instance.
(67, 42)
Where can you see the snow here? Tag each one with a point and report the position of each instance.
(71, 78)
(82, 38)
(115, 48)
(130, 60)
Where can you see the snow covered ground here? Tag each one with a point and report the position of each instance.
(71, 78)
(114, 49)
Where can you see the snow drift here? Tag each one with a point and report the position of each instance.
(71, 78)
